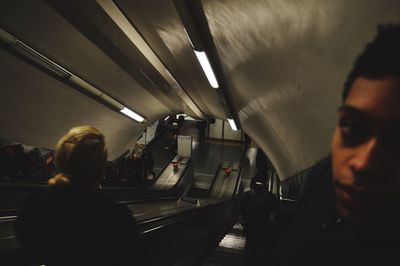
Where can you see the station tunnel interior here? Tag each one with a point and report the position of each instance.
(131, 67)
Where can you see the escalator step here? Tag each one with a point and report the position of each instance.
(230, 249)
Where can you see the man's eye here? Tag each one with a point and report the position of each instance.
(352, 132)
(347, 126)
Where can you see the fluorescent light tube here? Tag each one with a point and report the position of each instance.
(132, 114)
(232, 124)
(205, 64)
(32, 54)
(41, 59)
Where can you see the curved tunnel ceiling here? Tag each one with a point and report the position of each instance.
(284, 63)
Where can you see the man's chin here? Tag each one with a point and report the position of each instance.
(343, 213)
(347, 214)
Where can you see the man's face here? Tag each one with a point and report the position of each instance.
(366, 150)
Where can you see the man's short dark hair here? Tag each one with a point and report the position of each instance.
(380, 58)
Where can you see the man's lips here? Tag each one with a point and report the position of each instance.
(349, 195)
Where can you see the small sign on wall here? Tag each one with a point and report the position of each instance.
(184, 146)
(215, 129)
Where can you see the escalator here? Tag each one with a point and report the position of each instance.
(186, 238)
(174, 233)
(202, 184)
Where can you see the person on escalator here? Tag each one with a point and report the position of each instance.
(17, 162)
(134, 170)
(201, 127)
(349, 214)
(260, 210)
(148, 163)
(71, 222)
(263, 165)
(181, 120)
(173, 147)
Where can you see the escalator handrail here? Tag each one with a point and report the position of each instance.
(168, 220)
(215, 178)
(237, 185)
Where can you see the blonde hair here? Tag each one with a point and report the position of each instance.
(80, 158)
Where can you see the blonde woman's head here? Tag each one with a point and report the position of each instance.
(80, 158)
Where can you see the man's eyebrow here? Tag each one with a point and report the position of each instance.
(353, 111)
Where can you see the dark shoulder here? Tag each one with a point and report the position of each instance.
(101, 204)
(32, 214)
(321, 172)
(37, 201)
(68, 201)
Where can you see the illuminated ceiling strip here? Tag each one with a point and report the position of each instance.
(232, 124)
(33, 55)
(129, 30)
(205, 64)
(132, 114)
(196, 24)
(50, 65)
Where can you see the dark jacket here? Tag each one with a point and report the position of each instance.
(66, 226)
(316, 235)
(258, 210)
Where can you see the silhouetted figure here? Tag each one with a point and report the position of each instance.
(71, 222)
(247, 141)
(181, 120)
(259, 209)
(173, 147)
(38, 169)
(262, 162)
(261, 176)
(148, 164)
(109, 176)
(349, 214)
(17, 162)
(201, 127)
(175, 129)
(134, 167)
(115, 173)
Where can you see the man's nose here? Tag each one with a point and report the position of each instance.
(366, 158)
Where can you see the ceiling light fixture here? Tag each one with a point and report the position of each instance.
(32, 54)
(205, 64)
(119, 18)
(128, 112)
(39, 59)
(232, 124)
(196, 26)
